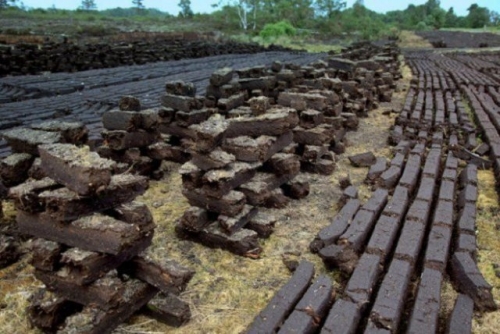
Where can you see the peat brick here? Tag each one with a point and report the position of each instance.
(377, 201)
(467, 195)
(398, 160)
(129, 103)
(317, 136)
(438, 247)
(343, 318)
(9, 251)
(410, 242)
(65, 205)
(232, 224)
(262, 223)
(425, 314)
(36, 172)
(221, 76)
(284, 163)
(411, 173)
(447, 191)
(311, 309)
(390, 177)
(330, 234)
(397, 205)
(377, 169)
(215, 159)
(77, 168)
(25, 195)
(47, 311)
(283, 301)
(24, 140)
(443, 214)
(195, 219)
(297, 188)
(45, 254)
(469, 175)
(72, 132)
(449, 175)
(168, 309)
(243, 242)
(230, 204)
(219, 182)
(467, 243)
(121, 140)
(359, 230)
(469, 280)
(467, 219)
(166, 275)
(363, 279)
(182, 103)
(121, 120)
(366, 159)
(432, 163)
(97, 233)
(460, 320)
(383, 236)
(389, 304)
(419, 211)
(14, 168)
(93, 320)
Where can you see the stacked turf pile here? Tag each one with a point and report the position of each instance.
(89, 236)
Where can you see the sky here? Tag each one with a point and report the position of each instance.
(204, 6)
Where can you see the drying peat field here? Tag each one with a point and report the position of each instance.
(248, 190)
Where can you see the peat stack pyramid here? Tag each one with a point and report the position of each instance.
(129, 131)
(238, 164)
(90, 243)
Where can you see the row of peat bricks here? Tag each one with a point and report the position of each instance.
(92, 237)
(22, 59)
(417, 231)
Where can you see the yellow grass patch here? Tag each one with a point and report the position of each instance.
(488, 241)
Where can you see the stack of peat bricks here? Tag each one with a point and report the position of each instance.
(131, 137)
(265, 127)
(90, 246)
(24, 163)
(417, 230)
(180, 109)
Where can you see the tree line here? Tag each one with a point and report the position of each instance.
(325, 17)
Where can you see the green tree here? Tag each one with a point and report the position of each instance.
(451, 19)
(138, 4)
(5, 3)
(329, 8)
(186, 10)
(478, 16)
(495, 18)
(88, 5)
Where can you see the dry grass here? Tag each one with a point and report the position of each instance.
(488, 223)
(228, 291)
(408, 39)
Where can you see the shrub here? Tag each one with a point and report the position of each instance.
(275, 30)
(421, 26)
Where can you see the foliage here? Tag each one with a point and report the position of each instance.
(88, 5)
(275, 30)
(138, 4)
(5, 3)
(186, 10)
(478, 16)
(323, 19)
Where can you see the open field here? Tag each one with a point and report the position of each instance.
(444, 109)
